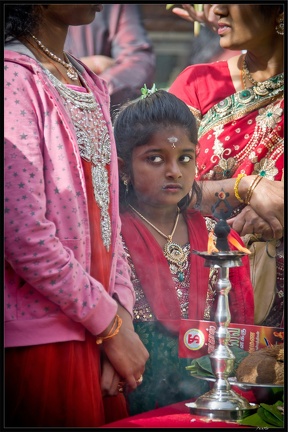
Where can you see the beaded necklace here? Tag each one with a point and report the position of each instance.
(60, 73)
(71, 71)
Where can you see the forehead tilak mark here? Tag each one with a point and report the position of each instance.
(173, 140)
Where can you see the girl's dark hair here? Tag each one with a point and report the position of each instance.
(20, 20)
(137, 121)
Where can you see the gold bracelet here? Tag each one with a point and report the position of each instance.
(236, 191)
(117, 322)
(251, 188)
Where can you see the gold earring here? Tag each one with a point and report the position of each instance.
(280, 27)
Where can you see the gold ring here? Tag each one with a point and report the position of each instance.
(120, 386)
(139, 380)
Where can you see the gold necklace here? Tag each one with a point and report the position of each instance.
(71, 71)
(173, 252)
(261, 88)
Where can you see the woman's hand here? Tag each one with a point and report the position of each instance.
(126, 352)
(268, 202)
(249, 222)
(110, 379)
(205, 17)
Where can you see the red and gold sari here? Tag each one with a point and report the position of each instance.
(239, 132)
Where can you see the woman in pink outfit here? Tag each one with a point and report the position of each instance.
(69, 335)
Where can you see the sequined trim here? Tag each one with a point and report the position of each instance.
(94, 145)
(265, 132)
(234, 107)
(142, 310)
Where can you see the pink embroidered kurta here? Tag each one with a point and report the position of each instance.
(50, 295)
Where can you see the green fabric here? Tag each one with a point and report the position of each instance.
(165, 380)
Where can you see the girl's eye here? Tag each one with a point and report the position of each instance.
(155, 159)
(186, 158)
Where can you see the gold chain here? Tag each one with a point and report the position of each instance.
(168, 237)
(247, 73)
(176, 256)
(261, 88)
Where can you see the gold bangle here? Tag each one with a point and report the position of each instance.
(251, 188)
(112, 332)
(236, 191)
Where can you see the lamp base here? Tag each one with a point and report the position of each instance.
(222, 404)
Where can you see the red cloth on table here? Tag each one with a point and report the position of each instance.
(172, 416)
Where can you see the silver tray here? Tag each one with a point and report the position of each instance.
(242, 385)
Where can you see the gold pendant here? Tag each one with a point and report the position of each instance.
(72, 74)
(175, 255)
(261, 90)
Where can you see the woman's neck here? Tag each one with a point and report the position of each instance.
(53, 41)
(261, 67)
(265, 66)
(57, 64)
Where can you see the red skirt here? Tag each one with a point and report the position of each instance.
(57, 385)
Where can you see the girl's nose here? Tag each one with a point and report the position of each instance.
(173, 170)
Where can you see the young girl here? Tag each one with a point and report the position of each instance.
(156, 140)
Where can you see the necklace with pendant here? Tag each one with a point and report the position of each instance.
(71, 71)
(173, 252)
(261, 88)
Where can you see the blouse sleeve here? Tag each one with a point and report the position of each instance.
(201, 86)
(185, 87)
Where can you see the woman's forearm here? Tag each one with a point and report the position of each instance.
(210, 194)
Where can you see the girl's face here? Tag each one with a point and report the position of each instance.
(242, 26)
(163, 170)
(70, 14)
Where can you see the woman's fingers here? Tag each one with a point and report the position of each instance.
(249, 222)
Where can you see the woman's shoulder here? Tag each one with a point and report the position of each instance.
(204, 69)
(20, 58)
(197, 84)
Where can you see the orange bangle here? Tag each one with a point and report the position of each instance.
(112, 332)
